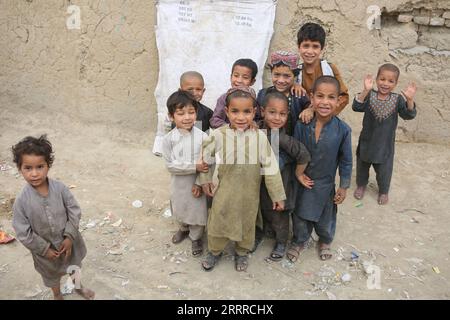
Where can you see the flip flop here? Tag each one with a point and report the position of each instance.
(210, 261)
(325, 253)
(294, 251)
(278, 252)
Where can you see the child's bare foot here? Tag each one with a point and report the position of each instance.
(383, 199)
(86, 293)
(359, 192)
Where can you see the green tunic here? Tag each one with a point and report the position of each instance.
(240, 158)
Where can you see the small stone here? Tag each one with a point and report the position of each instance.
(404, 18)
(422, 20)
(346, 277)
(447, 23)
(446, 15)
(137, 204)
(437, 22)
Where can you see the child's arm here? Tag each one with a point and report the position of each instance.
(344, 90)
(174, 165)
(345, 167)
(219, 116)
(205, 179)
(407, 111)
(294, 148)
(31, 240)
(361, 102)
(73, 214)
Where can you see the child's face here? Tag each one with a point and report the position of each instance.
(240, 112)
(275, 113)
(386, 81)
(325, 100)
(282, 78)
(185, 117)
(241, 77)
(34, 169)
(195, 86)
(310, 51)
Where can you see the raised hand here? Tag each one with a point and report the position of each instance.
(368, 82)
(410, 91)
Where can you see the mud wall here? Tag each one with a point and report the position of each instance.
(106, 71)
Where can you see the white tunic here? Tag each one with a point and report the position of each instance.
(181, 150)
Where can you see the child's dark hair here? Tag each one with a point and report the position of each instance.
(31, 145)
(280, 64)
(326, 79)
(389, 67)
(248, 63)
(272, 93)
(180, 99)
(240, 92)
(313, 32)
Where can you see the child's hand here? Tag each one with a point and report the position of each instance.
(201, 166)
(208, 189)
(306, 115)
(52, 254)
(66, 247)
(196, 191)
(305, 181)
(410, 91)
(278, 205)
(368, 82)
(340, 195)
(253, 126)
(297, 90)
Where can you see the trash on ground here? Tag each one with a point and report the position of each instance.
(167, 213)
(68, 287)
(117, 223)
(436, 269)
(358, 204)
(137, 204)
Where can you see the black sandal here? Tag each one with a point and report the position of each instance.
(278, 252)
(210, 261)
(241, 263)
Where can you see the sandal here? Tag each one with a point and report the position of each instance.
(179, 236)
(210, 261)
(325, 252)
(278, 252)
(359, 192)
(383, 199)
(240, 263)
(197, 247)
(294, 251)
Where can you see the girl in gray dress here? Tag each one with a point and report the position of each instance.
(46, 217)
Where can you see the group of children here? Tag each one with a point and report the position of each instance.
(268, 159)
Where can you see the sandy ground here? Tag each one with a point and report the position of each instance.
(110, 167)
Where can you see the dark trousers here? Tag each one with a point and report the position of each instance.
(278, 221)
(383, 173)
(325, 227)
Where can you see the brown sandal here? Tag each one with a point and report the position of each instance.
(325, 252)
(294, 251)
(241, 263)
(180, 236)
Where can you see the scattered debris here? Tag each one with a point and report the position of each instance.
(406, 294)
(5, 167)
(414, 220)
(125, 282)
(91, 224)
(137, 204)
(167, 213)
(117, 223)
(346, 277)
(354, 256)
(436, 269)
(330, 295)
(68, 287)
(72, 186)
(358, 204)
(32, 294)
(5, 238)
(117, 297)
(396, 249)
(410, 209)
(163, 287)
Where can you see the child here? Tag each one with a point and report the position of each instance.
(46, 216)
(377, 139)
(328, 139)
(284, 68)
(311, 44)
(291, 152)
(181, 150)
(193, 82)
(243, 73)
(243, 156)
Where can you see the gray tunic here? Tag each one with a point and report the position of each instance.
(42, 222)
(181, 150)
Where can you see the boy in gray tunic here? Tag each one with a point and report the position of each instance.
(46, 217)
(181, 150)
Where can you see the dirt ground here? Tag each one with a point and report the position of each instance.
(110, 167)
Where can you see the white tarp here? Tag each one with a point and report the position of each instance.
(208, 36)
